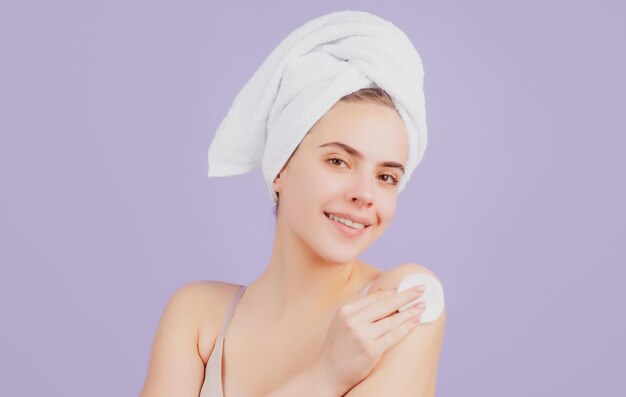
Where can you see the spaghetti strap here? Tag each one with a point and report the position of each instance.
(212, 385)
(231, 309)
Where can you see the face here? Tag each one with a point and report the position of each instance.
(359, 179)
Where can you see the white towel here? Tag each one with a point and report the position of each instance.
(304, 76)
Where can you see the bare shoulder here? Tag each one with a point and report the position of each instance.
(211, 307)
(392, 277)
(195, 293)
(176, 366)
(409, 368)
(200, 301)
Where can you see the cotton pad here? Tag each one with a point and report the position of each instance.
(432, 295)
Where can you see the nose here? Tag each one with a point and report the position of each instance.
(361, 191)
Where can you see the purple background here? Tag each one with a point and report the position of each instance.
(107, 109)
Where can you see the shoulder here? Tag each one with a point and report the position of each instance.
(195, 301)
(190, 294)
(203, 304)
(176, 360)
(391, 278)
(209, 301)
(408, 368)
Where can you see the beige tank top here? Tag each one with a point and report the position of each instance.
(212, 386)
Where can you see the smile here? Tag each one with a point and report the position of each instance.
(349, 231)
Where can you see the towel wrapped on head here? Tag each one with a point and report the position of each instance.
(312, 68)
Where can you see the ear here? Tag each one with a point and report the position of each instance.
(276, 184)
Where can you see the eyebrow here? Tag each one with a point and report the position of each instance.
(352, 151)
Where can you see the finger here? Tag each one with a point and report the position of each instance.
(356, 304)
(381, 327)
(387, 305)
(391, 338)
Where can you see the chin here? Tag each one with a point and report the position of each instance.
(337, 261)
(339, 254)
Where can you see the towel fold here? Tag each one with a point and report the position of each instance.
(304, 76)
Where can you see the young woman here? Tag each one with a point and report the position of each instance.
(304, 327)
(318, 321)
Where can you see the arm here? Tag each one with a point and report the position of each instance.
(175, 367)
(408, 369)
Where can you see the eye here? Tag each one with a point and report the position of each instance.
(395, 180)
(330, 160)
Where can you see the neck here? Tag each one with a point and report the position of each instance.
(297, 280)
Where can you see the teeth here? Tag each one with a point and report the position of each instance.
(347, 222)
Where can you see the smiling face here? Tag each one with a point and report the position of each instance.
(350, 163)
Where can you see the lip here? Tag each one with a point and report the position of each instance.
(346, 230)
(363, 221)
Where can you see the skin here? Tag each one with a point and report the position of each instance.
(312, 267)
(313, 270)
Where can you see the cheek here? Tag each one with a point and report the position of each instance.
(391, 209)
(317, 182)
(308, 191)
(326, 182)
(387, 208)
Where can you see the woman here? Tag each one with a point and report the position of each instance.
(318, 321)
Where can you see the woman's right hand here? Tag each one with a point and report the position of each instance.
(362, 330)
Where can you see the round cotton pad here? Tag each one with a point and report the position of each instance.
(433, 295)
